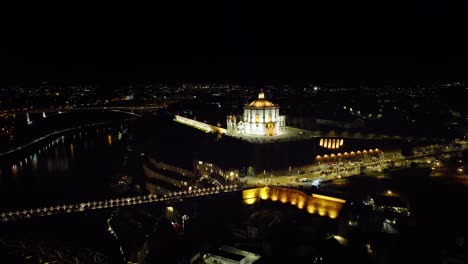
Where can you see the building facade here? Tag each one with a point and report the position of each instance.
(261, 117)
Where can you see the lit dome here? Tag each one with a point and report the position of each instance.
(261, 102)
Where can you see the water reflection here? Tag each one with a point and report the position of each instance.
(14, 170)
(72, 151)
(34, 161)
(109, 139)
(61, 169)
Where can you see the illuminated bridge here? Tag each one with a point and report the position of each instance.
(114, 203)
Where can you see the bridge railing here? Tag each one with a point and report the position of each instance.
(113, 203)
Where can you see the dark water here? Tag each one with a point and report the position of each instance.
(77, 166)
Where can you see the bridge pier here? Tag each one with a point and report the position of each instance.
(28, 120)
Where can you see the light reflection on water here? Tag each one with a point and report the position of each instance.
(72, 151)
(34, 161)
(70, 166)
(109, 139)
(14, 170)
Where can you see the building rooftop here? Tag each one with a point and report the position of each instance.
(227, 254)
(261, 102)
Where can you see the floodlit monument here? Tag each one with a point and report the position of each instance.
(261, 117)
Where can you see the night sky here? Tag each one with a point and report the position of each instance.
(422, 41)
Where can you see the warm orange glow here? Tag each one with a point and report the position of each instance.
(318, 157)
(284, 197)
(300, 203)
(311, 208)
(322, 211)
(250, 196)
(332, 156)
(332, 214)
(329, 198)
(321, 142)
(352, 153)
(341, 142)
(274, 194)
(339, 155)
(261, 103)
(325, 156)
(321, 204)
(264, 193)
(250, 201)
(257, 118)
(293, 199)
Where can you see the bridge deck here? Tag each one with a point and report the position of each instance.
(113, 203)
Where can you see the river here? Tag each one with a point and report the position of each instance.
(76, 166)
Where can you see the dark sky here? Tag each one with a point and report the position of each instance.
(267, 42)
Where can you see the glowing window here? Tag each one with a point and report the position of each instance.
(257, 118)
(269, 117)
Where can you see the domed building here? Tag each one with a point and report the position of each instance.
(261, 117)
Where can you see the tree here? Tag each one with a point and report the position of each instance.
(407, 150)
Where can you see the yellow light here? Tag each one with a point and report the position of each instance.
(250, 201)
(329, 198)
(332, 214)
(389, 192)
(300, 203)
(284, 197)
(322, 211)
(293, 200)
(274, 196)
(249, 194)
(264, 194)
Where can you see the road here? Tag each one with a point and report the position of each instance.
(316, 173)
